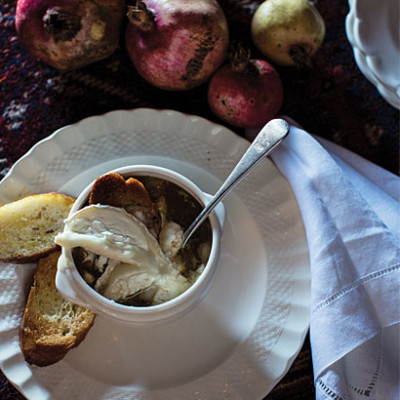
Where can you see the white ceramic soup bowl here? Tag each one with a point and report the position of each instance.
(73, 287)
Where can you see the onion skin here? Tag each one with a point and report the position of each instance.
(69, 34)
(246, 98)
(182, 47)
(288, 32)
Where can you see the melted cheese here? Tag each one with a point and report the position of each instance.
(137, 261)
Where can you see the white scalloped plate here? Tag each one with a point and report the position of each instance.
(241, 339)
(372, 28)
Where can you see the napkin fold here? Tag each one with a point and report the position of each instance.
(351, 213)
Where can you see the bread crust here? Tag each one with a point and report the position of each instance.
(113, 190)
(51, 326)
(28, 226)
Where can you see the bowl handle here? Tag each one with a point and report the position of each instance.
(63, 282)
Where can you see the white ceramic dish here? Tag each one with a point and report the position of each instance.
(73, 287)
(372, 28)
(241, 339)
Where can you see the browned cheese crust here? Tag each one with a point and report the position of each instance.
(113, 190)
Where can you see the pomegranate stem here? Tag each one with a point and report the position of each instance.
(141, 16)
(61, 25)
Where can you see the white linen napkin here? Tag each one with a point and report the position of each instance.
(351, 213)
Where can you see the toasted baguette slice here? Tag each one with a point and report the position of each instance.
(51, 325)
(113, 190)
(28, 226)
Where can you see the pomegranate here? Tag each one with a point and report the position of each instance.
(246, 93)
(69, 34)
(176, 44)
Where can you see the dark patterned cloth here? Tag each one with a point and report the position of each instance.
(333, 100)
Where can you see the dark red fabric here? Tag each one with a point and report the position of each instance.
(333, 100)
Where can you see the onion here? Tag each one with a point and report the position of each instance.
(176, 44)
(247, 93)
(69, 34)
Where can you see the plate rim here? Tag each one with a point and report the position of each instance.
(19, 163)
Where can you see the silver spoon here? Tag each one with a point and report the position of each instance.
(267, 139)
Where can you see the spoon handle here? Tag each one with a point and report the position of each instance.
(267, 139)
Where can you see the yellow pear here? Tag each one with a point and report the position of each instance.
(288, 32)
